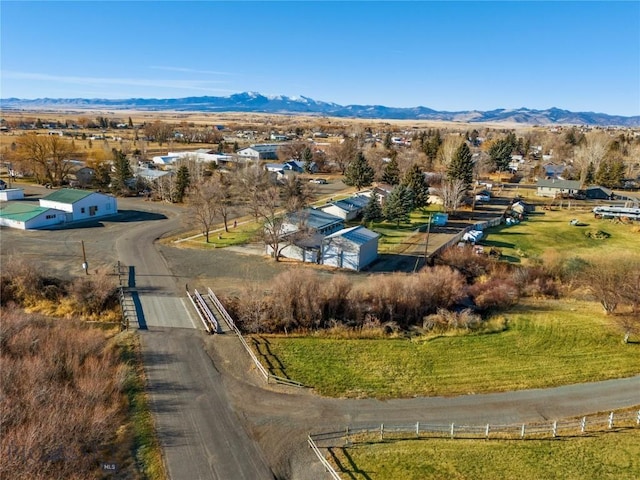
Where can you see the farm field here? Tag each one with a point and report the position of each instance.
(602, 456)
(547, 231)
(544, 343)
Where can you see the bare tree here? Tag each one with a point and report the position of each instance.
(591, 153)
(448, 150)
(47, 156)
(202, 207)
(452, 193)
(272, 220)
(343, 153)
(250, 183)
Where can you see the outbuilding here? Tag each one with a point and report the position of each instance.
(28, 216)
(80, 204)
(353, 248)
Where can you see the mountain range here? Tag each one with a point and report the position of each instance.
(252, 102)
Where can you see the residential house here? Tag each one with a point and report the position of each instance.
(557, 188)
(348, 208)
(257, 152)
(353, 248)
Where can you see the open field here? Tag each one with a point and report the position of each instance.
(544, 344)
(546, 231)
(602, 456)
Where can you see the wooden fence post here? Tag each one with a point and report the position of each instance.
(611, 420)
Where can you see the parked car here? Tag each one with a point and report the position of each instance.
(320, 181)
(482, 198)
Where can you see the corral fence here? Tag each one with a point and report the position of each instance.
(268, 376)
(540, 431)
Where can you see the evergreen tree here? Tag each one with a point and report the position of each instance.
(307, 158)
(130, 123)
(432, 147)
(183, 180)
(415, 181)
(398, 205)
(461, 166)
(391, 174)
(372, 211)
(359, 173)
(387, 141)
(500, 152)
(590, 177)
(122, 171)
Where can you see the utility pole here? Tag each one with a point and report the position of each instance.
(85, 265)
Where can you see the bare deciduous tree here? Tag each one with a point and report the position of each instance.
(47, 156)
(452, 193)
(591, 152)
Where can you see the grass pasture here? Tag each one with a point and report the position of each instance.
(612, 455)
(544, 344)
(550, 230)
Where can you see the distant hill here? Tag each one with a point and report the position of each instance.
(257, 103)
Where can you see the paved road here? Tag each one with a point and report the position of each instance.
(200, 432)
(201, 435)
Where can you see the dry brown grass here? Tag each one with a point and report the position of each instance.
(63, 409)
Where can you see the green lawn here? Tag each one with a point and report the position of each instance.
(550, 230)
(545, 344)
(613, 455)
(394, 237)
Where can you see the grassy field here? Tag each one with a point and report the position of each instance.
(545, 231)
(544, 344)
(602, 456)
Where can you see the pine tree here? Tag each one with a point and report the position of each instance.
(359, 173)
(398, 205)
(183, 180)
(461, 167)
(372, 211)
(387, 141)
(122, 171)
(307, 158)
(391, 174)
(500, 153)
(590, 177)
(415, 181)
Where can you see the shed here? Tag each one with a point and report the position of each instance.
(80, 204)
(353, 248)
(599, 193)
(11, 194)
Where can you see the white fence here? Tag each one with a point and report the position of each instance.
(269, 377)
(204, 312)
(548, 430)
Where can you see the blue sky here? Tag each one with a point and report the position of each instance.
(581, 56)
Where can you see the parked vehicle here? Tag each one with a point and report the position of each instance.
(320, 181)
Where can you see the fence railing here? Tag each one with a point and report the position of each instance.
(458, 236)
(268, 376)
(548, 430)
(204, 312)
(127, 306)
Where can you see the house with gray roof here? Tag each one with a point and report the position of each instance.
(257, 152)
(557, 188)
(348, 208)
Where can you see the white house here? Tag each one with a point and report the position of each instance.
(353, 248)
(555, 188)
(80, 204)
(27, 216)
(202, 155)
(264, 151)
(165, 160)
